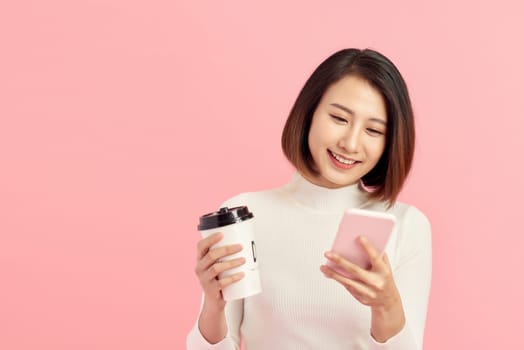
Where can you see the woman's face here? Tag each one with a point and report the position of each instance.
(348, 132)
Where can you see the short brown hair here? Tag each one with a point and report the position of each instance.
(389, 174)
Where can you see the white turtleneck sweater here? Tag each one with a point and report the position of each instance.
(299, 308)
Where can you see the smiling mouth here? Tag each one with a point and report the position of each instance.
(343, 160)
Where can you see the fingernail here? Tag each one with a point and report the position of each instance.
(328, 255)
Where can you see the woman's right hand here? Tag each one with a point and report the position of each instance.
(210, 265)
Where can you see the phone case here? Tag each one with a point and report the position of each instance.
(375, 226)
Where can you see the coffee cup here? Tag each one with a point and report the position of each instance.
(238, 227)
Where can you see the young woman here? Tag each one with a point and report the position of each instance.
(350, 135)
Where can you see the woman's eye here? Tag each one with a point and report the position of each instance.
(338, 119)
(375, 132)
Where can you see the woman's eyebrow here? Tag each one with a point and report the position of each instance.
(349, 111)
(344, 108)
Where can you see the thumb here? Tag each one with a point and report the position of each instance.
(385, 258)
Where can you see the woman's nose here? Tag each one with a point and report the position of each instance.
(350, 141)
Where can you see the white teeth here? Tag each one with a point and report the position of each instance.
(342, 160)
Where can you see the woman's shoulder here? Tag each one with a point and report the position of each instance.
(407, 215)
(414, 227)
(410, 212)
(254, 198)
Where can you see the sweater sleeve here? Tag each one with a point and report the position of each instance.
(233, 311)
(412, 274)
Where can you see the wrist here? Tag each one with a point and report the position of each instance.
(213, 306)
(387, 321)
(392, 305)
(212, 322)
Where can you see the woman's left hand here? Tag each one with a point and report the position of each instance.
(374, 287)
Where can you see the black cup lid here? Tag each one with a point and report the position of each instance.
(223, 217)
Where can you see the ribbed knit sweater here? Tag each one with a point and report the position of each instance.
(299, 307)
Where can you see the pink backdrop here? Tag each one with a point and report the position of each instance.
(122, 121)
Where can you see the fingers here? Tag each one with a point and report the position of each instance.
(213, 288)
(370, 287)
(214, 255)
(374, 255)
(354, 286)
(209, 265)
(205, 244)
(350, 267)
(374, 280)
(226, 281)
(207, 256)
(385, 258)
(219, 267)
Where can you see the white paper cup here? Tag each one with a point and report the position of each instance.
(238, 227)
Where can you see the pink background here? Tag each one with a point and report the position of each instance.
(123, 121)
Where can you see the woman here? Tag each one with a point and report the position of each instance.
(350, 136)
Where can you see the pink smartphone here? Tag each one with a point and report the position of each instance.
(375, 226)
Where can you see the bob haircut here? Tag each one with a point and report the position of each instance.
(386, 179)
